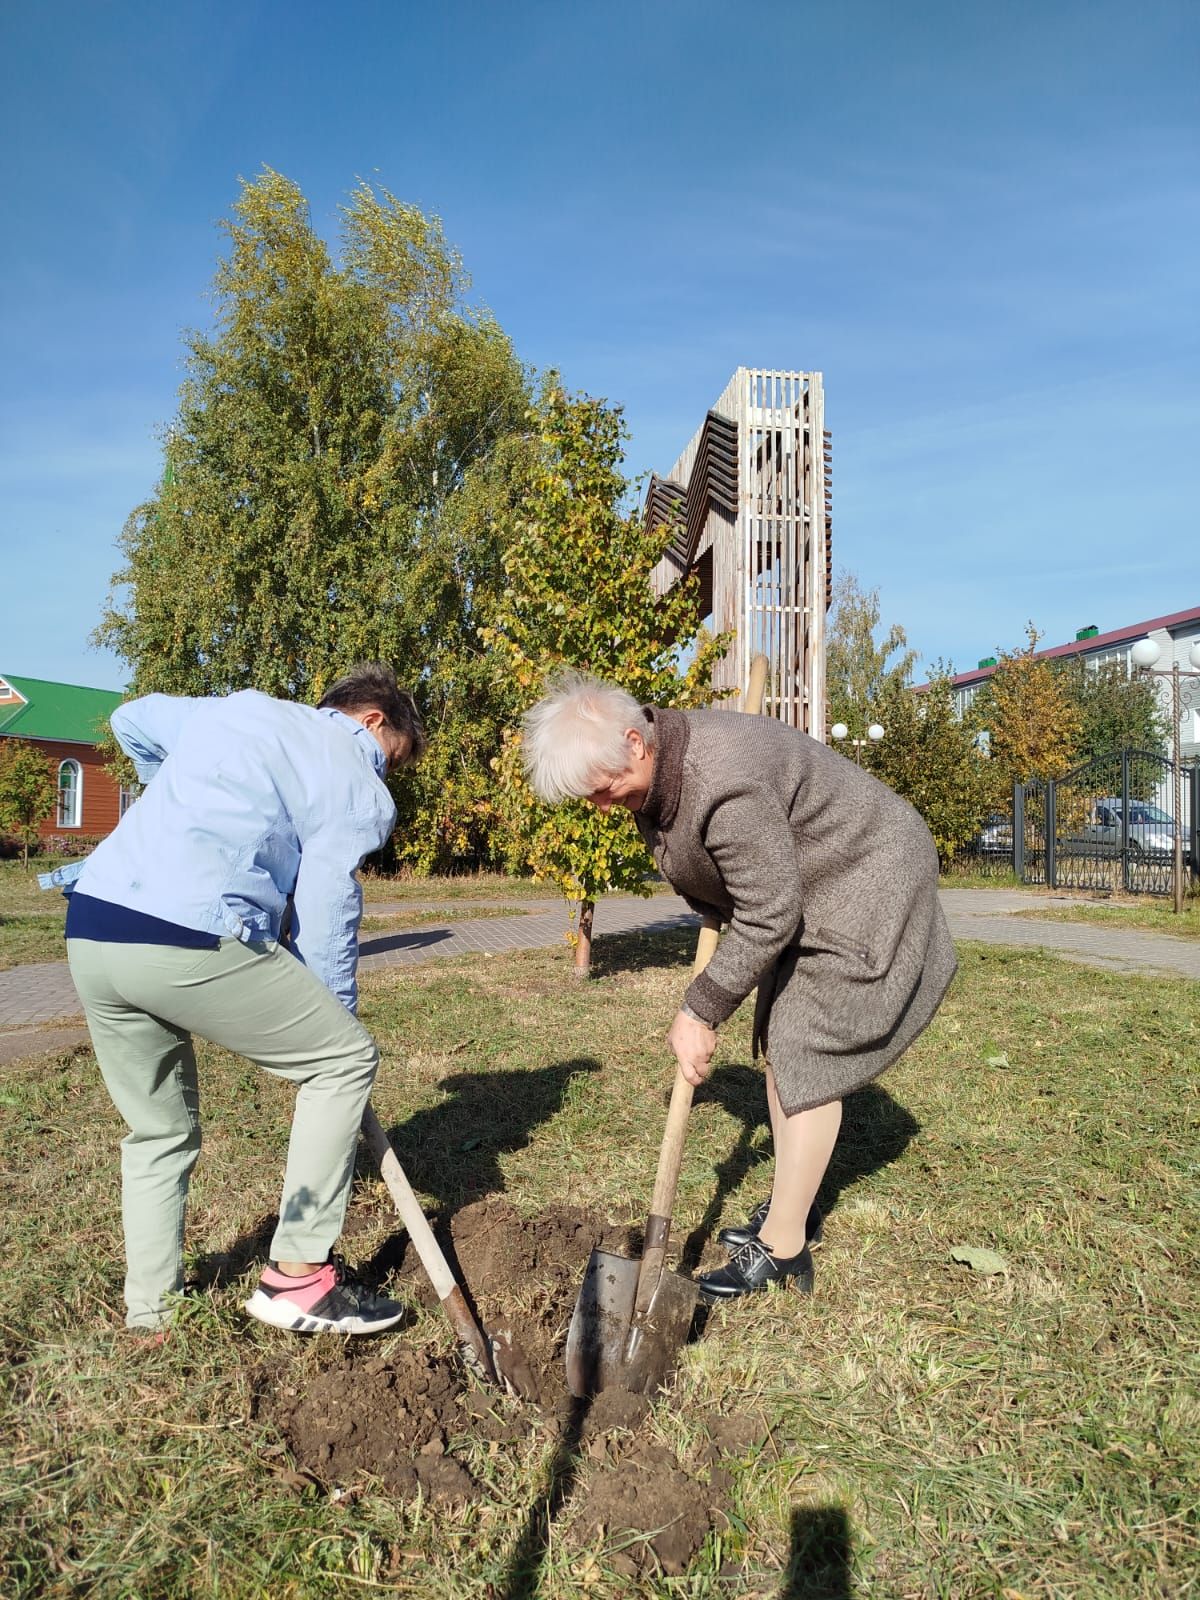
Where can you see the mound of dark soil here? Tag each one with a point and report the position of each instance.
(390, 1417)
(645, 1492)
(408, 1419)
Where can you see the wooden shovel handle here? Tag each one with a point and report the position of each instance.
(658, 1223)
(670, 1156)
(756, 687)
(430, 1252)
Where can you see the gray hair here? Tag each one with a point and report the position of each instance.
(575, 736)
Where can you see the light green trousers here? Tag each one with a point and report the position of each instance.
(143, 1002)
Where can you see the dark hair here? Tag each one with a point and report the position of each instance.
(370, 686)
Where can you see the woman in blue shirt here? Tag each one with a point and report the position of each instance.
(173, 929)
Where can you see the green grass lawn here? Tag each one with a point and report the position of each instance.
(422, 916)
(1028, 1434)
(963, 875)
(467, 886)
(480, 886)
(1157, 916)
(31, 921)
(31, 938)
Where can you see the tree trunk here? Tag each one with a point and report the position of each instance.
(583, 945)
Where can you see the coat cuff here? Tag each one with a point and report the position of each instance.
(709, 1001)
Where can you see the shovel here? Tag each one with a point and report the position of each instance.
(498, 1359)
(632, 1317)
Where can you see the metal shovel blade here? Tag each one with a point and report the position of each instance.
(604, 1346)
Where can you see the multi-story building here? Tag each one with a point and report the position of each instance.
(1174, 634)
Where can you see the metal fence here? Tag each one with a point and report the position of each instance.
(1108, 825)
(990, 852)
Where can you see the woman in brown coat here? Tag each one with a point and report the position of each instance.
(827, 882)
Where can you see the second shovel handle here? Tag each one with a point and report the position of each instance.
(408, 1206)
(437, 1269)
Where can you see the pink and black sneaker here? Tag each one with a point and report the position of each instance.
(324, 1302)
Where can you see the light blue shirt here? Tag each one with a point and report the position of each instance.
(249, 800)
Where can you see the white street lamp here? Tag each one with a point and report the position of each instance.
(840, 732)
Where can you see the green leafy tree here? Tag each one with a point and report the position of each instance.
(930, 757)
(1117, 710)
(577, 593)
(1030, 717)
(27, 792)
(859, 672)
(345, 438)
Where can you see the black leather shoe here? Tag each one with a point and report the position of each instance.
(753, 1267)
(734, 1238)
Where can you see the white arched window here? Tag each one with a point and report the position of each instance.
(70, 794)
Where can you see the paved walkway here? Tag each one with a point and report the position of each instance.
(544, 923)
(986, 915)
(35, 995)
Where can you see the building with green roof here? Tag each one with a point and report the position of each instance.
(68, 723)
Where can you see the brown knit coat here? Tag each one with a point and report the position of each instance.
(828, 883)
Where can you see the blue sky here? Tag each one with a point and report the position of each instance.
(980, 222)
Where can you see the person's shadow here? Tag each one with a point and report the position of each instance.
(875, 1131)
(418, 939)
(451, 1151)
(819, 1559)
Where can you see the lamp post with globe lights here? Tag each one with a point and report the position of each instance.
(840, 731)
(1185, 693)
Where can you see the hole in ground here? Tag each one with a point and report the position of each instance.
(414, 1419)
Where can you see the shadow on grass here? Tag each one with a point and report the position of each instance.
(523, 1579)
(669, 943)
(818, 1565)
(220, 1267)
(451, 1151)
(819, 1560)
(742, 1092)
(875, 1132)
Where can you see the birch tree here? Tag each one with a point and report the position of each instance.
(346, 433)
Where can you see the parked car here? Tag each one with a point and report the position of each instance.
(1151, 830)
(995, 838)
